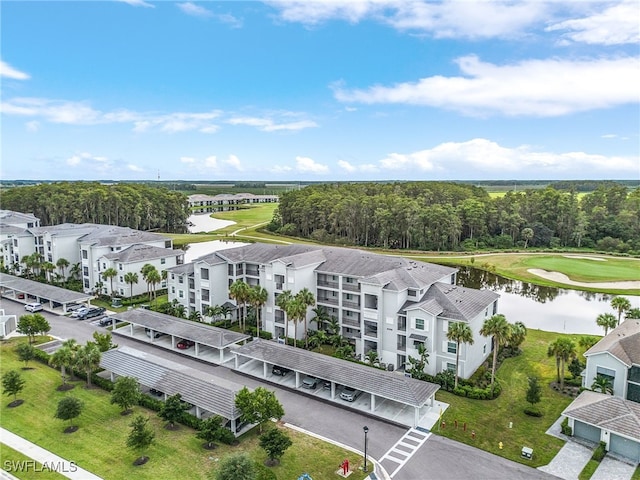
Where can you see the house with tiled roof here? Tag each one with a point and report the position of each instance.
(384, 303)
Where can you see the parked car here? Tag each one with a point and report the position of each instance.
(310, 382)
(33, 307)
(156, 334)
(20, 296)
(79, 311)
(155, 393)
(326, 385)
(350, 394)
(281, 371)
(72, 307)
(105, 321)
(91, 313)
(184, 344)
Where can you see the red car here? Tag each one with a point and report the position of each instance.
(184, 344)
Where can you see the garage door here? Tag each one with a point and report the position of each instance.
(588, 432)
(625, 447)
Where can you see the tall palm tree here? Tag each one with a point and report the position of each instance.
(496, 327)
(459, 332)
(109, 274)
(321, 317)
(621, 305)
(63, 358)
(75, 271)
(517, 334)
(131, 278)
(153, 278)
(606, 321)
(563, 350)
(145, 270)
(296, 311)
(62, 265)
(258, 297)
(633, 313)
(88, 359)
(308, 300)
(282, 302)
(239, 291)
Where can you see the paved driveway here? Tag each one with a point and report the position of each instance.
(437, 458)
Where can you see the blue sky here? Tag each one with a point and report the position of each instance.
(333, 90)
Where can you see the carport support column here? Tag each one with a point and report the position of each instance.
(197, 349)
(221, 350)
(131, 329)
(264, 370)
(297, 379)
(416, 416)
(198, 412)
(373, 402)
(112, 377)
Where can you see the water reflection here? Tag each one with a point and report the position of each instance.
(546, 308)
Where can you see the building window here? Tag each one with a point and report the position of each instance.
(85, 271)
(86, 283)
(606, 372)
(204, 273)
(451, 347)
(173, 277)
(119, 266)
(173, 289)
(484, 349)
(85, 255)
(121, 279)
(411, 293)
(451, 367)
(419, 323)
(163, 261)
(180, 279)
(180, 294)
(371, 301)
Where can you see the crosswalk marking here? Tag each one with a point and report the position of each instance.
(411, 441)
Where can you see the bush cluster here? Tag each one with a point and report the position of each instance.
(599, 452)
(532, 412)
(564, 426)
(487, 393)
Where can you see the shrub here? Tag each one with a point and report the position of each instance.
(566, 429)
(599, 452)
(532, 412)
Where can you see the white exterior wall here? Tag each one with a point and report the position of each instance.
(64, 247)
(607, 360)
(297, 279)
(13, 254)
(429, 332)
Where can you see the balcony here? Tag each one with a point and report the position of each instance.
(371, 332)
(351, 322)
(401, 347)
(329, 301)
(328, 284)
(347, 334)
(253, 272)
(352, 287)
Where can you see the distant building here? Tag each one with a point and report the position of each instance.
(387, 304)
(15, 240)
(227, 201)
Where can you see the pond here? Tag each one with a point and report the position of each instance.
(545, 308)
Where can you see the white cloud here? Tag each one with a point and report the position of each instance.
(135, 168)
(542, 88)
(308, 165)
(234, 162)
(89, 161)
(229, 19)
(211, 162)
(447, 19)
(280, 169)
(188, 160)
(7, 71)
(138, 3)
(267, 124)
(616, 25)
(486, 156)
(33, 126)
(362, 168)
(194, 10)
(346, 166)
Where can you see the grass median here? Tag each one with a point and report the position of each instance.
(99, 443)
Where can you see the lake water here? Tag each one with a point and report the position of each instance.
(545, 308)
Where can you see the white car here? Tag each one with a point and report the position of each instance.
(80, 312)
(350, 394)
(33, 307)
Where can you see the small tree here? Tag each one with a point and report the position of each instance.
(211, 430)
(88, 359)
(108, 274)
(418, 364)
(104, 341)
(258, 406)
(534, 391)
(173, 409)
(602, 384)
(575, 367)
(125, 393)
(26, 352)
(140, 438)
(275, 442)
(32, 325)
(13, 384)
(236, 467)
(68, 409)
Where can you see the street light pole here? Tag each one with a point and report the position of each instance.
(366, 430)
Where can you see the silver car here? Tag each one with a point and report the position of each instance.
(350, 394)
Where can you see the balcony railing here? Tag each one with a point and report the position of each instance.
(351, 304)
(353, 287)
(371, 332)
(328, 283)
(350, 334)
(401, 347)
(352, 322)
(254, 272)
(330, 301)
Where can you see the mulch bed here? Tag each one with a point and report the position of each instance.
(15, 403)
(141, 461)
(71, 429)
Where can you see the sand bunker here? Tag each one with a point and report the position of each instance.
(599, 259)
(562, 278)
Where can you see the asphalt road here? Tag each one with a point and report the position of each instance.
(439, 458)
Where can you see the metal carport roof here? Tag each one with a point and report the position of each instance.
(187, 329)
(382, 383)
(206, 391)
(41, 290)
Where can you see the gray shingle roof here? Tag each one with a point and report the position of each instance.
(142, 252)
(194, 331)
(385, 384)
(460, 303)
(107, 235)
(42, 290)
(214, 394)
(623, 342)
(9, 216)
(182, 269)
(612, 413)
(62, 229)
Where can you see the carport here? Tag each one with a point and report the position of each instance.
(388, 392)
(205, 392)
(211, 343)
(613, 420)
(50, 296)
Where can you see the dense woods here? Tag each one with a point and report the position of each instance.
(450, 216)
(137, 206)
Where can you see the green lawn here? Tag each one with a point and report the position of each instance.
(24, 467)
(490, 418)
(99, 444)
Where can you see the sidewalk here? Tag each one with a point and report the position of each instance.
(48, 460)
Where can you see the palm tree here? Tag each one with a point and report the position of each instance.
(606, 321)
(460, 333)
(239, 291)
(153, 278)
(297, 311)
(108, 274)
(317, 338)
(621, 305)
(131, 278)
(88, 359)
(145, 270)
(195, 316)
(62, 265)
(75, 271)
(258, 297)
(371, 356)
(517, 334)
(633, 313)
(213, 311)
(564, 350)
(225, 311)
(282, 302)
(63, 358)
(47, 268)
(498, 328)
(321, 317)
(308, 300)
(602, 384)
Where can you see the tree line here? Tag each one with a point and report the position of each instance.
(453, 216)
(137, 206)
